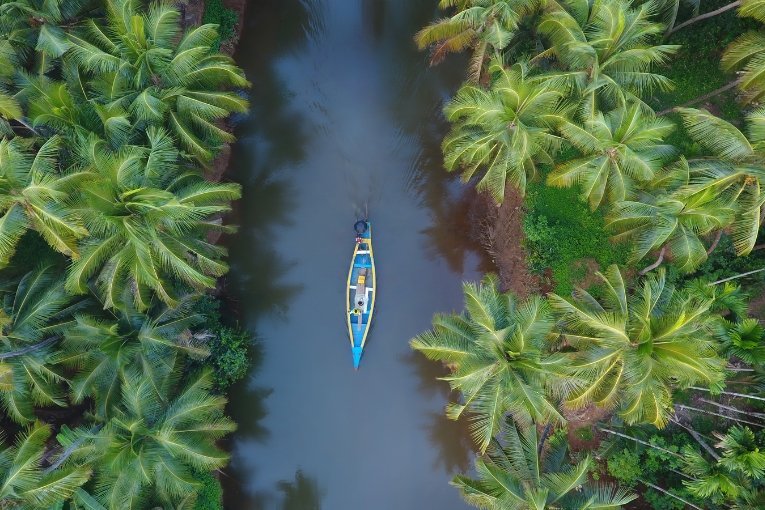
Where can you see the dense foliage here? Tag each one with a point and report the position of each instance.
(111, 369)
(660, 370)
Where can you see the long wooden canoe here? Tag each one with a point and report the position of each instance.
(360, 292)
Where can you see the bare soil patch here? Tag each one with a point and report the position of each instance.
(500, 231)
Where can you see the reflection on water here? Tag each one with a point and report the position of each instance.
(345, 119)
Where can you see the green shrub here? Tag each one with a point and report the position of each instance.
(210, 494)
(625, 467)
(225, 18)
(229, 353)
(229, 345)
(560, 231)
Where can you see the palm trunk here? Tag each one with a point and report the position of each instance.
(664, 491)
(712, 413)
(741, 275)
(644, 443)
(701, 99)
(732, 409)
(704, 16)
(730, 393)
(695, 435)
(655, 264)
(715, 242)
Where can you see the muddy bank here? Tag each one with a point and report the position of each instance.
(500, 232)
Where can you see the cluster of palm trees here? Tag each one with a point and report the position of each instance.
(563, 89)
(563, 86)
(109, 116)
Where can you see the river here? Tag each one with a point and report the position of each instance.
(345, 119)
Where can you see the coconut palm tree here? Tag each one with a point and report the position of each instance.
(605, 50)
(733, 173)
(148, 224)
(735, 476)
(105, 348)
(499, 364)
(34, 194)
(149, 449)
(747, 53)
(506, 129)
(634, 350)
(137, 71)
(35, 312)
(33, 28)
(484, 26)
(670, 218)
(744, 339)
(522, 473)
(618, 149)
(26, 483)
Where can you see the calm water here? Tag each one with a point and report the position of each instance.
(345, 117)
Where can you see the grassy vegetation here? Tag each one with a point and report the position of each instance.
(225, 18)
(561, 233)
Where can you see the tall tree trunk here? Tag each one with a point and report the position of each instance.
(644, 443)
(708, 95)
(732, 409)
(712, 413)
(741, 275)
(715, 242)
(657, 263)
(695, 435)
(706, 15)
(664, 491)
(730, 393)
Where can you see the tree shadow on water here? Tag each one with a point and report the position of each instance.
(450, 438)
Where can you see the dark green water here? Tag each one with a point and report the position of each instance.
(345, 115)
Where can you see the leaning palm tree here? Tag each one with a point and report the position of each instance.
(26, 481)
(744, 339)
(34, 194)
(506, 129)
(747, 53)
(136, 68)
(670, 219)
(35, 312)
(633, 350)
(496, 351)
(148, 225)
(618, 150)
(150, 449)
(523, 473)
(103, 349)
(605, 50)
(734, 173)
(483, 26)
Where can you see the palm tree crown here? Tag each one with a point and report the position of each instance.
(485, 26)
(151, 446)
(136, 73)
(633, 350)
(604, 50)
(506, 130)
(35, 312)
(618, 149)
(519, 473)
(33, 194)
(148, 224)
(496, 351)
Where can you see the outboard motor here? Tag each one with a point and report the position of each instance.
(360, 227)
